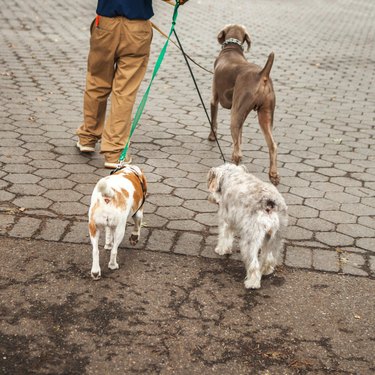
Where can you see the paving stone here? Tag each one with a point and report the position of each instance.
(296, 233)
(207, 219)
(367, 221)
(69, 208)
(57, 183)
(338, 217)
(26, 227)
(302, 211)
(53, 229)
(5, 196)
(345, 181)
(356, 230)
(334, 239)
(32, 202)
(22, 178)
(175, 213)
(78, 232)
(51, 173)
(190, 193)
(63, 195)
(298, 257)
(372, 265)
(6, 221)
(357, 209)
(316, 224)
(324, 260)
(366, 243)
(180, 182)
(164, 200)
(161, 240)
(154, 221)
(188, 225)
(352, 264)
(200, 206)
(369, 202)
(322, 204)
(313, 177)
(18, 168)
(189, 244)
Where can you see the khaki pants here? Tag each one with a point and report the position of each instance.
(117, 62)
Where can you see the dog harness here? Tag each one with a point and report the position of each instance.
(232, 41)
(119, 168)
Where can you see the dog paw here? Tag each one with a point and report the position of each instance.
(267, 270)
(223, 251)
(133, 239)
(274, 178)
(211, 137)
(252, 284)
(113, 266)
(95, 275)
(236, 158)
(107, 247)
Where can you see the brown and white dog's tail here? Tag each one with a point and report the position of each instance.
(104, 189)
(265, 72)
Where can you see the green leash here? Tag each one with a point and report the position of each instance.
(142, 104)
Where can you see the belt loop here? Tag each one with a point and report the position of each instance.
(97, 20)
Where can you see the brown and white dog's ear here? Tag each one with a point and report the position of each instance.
(247, 40)
(214, 180)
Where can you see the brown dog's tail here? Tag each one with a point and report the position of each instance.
(265, 72)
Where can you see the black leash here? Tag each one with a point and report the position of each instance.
(200, 96)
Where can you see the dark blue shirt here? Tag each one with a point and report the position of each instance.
(132, 9)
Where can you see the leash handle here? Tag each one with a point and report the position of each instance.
(142, 104)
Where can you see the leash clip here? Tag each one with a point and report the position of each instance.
(120, 165)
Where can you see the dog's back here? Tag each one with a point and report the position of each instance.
(114, 197)
(243, 195)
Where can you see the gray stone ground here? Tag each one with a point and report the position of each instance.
(324, 80)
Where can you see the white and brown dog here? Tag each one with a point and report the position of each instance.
(254, 210)
(114, 198)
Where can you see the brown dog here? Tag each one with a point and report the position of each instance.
(242, 87)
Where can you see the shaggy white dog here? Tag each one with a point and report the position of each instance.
(254, 210)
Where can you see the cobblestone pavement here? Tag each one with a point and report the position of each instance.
(324, 80)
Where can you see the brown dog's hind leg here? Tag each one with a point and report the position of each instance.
(265, 118)
(240, 109)
(214, 109)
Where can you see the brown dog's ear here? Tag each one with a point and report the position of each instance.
(247, 40)
(214, 181)
(221, 36)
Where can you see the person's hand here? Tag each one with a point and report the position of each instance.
(182, 2)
